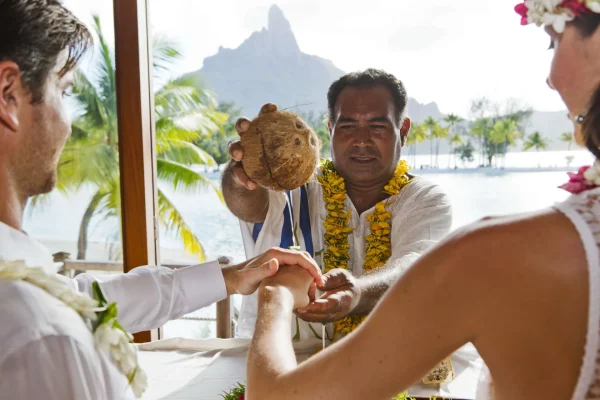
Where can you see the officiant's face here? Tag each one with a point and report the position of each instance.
(365, 136)
(35, 132)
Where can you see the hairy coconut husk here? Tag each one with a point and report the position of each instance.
(281, 151)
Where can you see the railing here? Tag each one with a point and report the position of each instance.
(225, 325)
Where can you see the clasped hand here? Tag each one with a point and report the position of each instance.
(299, 273)
(340, 297)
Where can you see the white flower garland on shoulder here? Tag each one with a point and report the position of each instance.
(97, 314)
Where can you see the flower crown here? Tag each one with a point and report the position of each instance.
(555, 13)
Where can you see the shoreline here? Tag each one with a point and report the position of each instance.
(491, 170)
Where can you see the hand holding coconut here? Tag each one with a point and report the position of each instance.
(277, 151)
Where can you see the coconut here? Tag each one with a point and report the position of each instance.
(281, 151)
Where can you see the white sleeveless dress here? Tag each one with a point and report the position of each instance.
(584, 212)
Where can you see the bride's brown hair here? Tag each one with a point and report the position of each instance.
(587, 25)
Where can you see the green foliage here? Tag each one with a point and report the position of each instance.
(568, 138)
(216, 142)
(237, 393)
(183, 115)
(318, 122)
(535, 141)
(465, 152)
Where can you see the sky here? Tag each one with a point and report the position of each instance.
(450, 52)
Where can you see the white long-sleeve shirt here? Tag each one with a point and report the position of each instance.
(46, 351)
(421, 216)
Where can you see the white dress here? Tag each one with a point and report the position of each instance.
(583, 210)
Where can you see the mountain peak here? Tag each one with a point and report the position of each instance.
(277, 20)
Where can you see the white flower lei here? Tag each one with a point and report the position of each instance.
(552, 13)
(100, 317)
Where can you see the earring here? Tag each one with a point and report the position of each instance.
(580, 118)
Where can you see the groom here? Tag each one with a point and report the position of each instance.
(46, 351)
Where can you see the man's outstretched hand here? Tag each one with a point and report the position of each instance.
(246, 277)
(340, 298)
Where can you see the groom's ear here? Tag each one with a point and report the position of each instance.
(12, 95)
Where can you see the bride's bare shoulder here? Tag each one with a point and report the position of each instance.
(525, 231)
(525, 245)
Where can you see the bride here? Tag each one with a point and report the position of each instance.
(526, 288)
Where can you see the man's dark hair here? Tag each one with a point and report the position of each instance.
(369, 78)
(33, 33)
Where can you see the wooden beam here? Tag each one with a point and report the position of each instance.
(136, 137)
(224, 330)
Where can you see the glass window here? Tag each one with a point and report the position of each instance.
(80, 221)
(489, 131)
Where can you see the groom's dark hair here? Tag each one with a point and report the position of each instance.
(33, 33)
(369, 78)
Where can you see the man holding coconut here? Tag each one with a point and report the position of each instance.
(363, 218)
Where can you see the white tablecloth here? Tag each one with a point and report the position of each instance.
(181, 369)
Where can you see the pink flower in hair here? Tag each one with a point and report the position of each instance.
(577, 182)
(522, 9)
(576, 7)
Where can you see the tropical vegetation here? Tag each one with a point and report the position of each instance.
(184, 115)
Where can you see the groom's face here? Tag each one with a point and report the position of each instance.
(366, 136)
(33, 134)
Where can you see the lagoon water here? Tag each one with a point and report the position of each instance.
(474, 193)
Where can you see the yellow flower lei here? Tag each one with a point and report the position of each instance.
(337, 228)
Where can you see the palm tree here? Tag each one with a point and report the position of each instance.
(480, 129)
(439, 132)
(452, 120)
(536, 141)
(504, 133)
(568, 138)
(430, 125)
(455, 140)
(417, 134)
(183, 114)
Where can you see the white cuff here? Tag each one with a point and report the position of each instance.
(202, 285)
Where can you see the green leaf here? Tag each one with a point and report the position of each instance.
(98, 294)
(235, 392)
(172, 220)
(183, 178)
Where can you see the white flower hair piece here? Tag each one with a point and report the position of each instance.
(555, 13)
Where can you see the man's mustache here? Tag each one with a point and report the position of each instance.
(364, 154)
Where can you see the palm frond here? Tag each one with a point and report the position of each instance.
(173, 221)
(106, 66)
(164, 53)
(186, 153)
(93, 110)
(184, 178)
